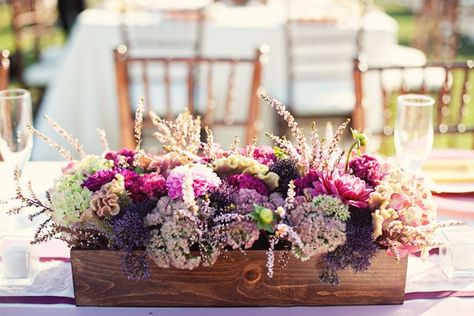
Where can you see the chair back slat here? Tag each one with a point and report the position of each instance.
(253, 123)
(444, 99)
(167, 87)
(424, 85)
(146, 85)
(122, 79)
(210, 101)
(250, 122)
(191, 84)
(228, 117)
(4, 68)
(387, 114)
(464, 99)
(451, 109)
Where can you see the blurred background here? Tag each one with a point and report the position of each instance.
(326, 59)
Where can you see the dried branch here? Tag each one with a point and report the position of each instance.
(74, 142)
(63, 152)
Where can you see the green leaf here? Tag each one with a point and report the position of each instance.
(268, 228)
(279, 153)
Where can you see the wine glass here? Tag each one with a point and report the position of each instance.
(16, 139)
(414, 130)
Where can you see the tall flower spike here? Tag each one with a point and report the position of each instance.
(103, 139)
(283, 144)
(66, 135)
(184, 133)
(290, 199)
(139, 123)
(209, 149)
(316, 147)
(234, 147)
(296, 131)
(63, 152)
(335, 141)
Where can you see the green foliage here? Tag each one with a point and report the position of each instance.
(263, 217)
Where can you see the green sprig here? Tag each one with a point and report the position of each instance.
(360, 140)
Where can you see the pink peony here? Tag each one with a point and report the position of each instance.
(348, 188)
(204, 179)
(367, 167)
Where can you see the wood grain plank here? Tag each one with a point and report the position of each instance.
(239, 280)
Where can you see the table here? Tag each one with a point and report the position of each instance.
(42, 174)
(83, 96)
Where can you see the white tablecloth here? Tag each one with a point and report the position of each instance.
(83, 95)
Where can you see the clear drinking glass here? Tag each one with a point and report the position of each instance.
(18, 262)
(414, 130)
(16, 139)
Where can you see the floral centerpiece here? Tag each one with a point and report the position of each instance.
(197, 201)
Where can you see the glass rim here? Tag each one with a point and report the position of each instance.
(14, 93)
(415, 100)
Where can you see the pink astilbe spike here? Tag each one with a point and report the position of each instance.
(316, 147)
(139, 123)
(103, 139)
(209, 147)
(296, 131)
(335, 142)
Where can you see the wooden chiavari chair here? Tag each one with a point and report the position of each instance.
(454, 97)
(436, 30)
(180, 32)
(319, 64)
(213, 114)
(32, 21)
(4, 68)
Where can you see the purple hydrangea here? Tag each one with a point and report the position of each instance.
(246, 181)
(245, 199)
(367, 168)
(98, 179)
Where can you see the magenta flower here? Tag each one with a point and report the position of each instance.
(305, 181)
(264, 155)
(153, 185)
(98, 179)
(120, 157)
(348, 188)
(133, 183)
(203, 180)
(246, 181)
(367, 167)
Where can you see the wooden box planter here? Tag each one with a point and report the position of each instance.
(239, 280)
